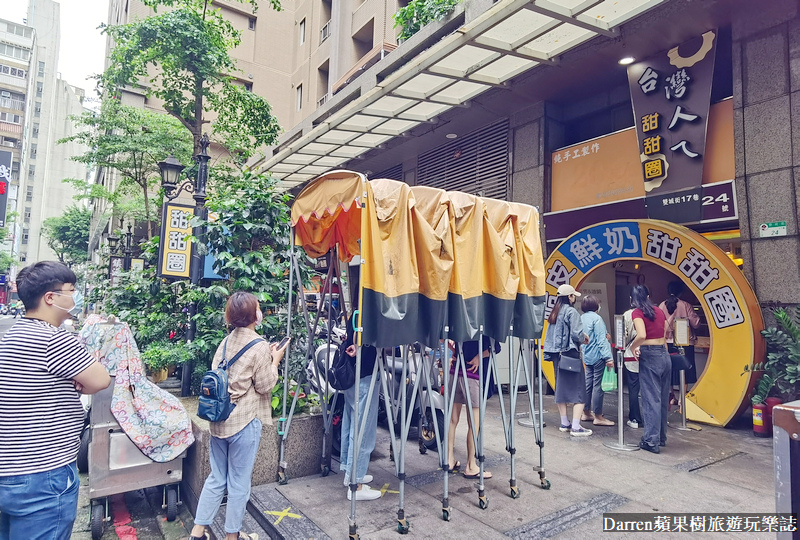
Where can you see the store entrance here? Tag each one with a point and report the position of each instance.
(608, 259)
(613, 283)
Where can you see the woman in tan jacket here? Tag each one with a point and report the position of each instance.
(234, 442)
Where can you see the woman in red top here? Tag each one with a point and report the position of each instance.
(655, 367)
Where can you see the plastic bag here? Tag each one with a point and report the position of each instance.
(609, 382)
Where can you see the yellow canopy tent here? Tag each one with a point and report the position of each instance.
(430, 257)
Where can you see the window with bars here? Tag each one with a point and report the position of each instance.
(14, 72)
(41, 69)
(28, 193)
(39, 89)
(27, 216)
(477, 163)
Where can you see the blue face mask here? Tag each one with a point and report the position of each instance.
(77, 299)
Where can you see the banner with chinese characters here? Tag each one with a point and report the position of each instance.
(175, 248)
(116, 266)
(730, 306)
(5, 183)
(671, 95)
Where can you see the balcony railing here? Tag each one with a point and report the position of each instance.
(323, 100)
(10, 128)
(13, 81)
(367, 61)
(325, 32)
(9, 103)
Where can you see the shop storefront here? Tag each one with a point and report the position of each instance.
(668, 121)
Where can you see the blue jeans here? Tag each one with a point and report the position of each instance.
(349, 428)
(39, 506)
(594, 394)
(232, 462)
(655, 373)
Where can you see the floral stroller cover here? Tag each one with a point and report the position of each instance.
(153, 419)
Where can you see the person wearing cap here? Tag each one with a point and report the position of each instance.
(564, 337)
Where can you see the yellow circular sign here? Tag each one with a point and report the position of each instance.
(731, 309)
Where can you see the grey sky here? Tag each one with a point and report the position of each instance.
(82, 46)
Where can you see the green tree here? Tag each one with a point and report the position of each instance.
(182, 57)
(6, 260)
(68, 235)
(130, 141)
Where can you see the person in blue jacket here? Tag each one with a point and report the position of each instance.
(597, 358)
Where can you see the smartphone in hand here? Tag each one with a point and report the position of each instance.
(283, 343)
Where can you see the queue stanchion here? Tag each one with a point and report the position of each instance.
(620, 443)
(682, 379)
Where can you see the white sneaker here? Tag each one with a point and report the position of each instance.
(633, 423)
(366, 480)
(366, 493)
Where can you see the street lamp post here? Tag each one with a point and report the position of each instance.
(171, 170)
(128, 251)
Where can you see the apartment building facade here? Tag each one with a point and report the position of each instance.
(16, 46)
(34, 116)
(296, 58)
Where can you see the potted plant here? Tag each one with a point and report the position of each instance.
(161, 355)
(780, 378)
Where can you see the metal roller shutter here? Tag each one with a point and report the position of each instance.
(476, 163)
(393, 173)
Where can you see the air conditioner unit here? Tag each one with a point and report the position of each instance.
(5, 94)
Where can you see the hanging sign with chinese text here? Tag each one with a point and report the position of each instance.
(175, 248)
(5, 183)
(671, 95)
(730, 306)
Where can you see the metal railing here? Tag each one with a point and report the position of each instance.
(10, 128)
(13, 81)
(323, 100)
(325, 32)
(10, 103)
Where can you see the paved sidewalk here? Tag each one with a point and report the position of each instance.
(714, 470)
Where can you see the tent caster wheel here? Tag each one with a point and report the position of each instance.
(352, 536)
(402, 526)
(423, 449)
(483, 503)
(514, 492)
(545, 484)
(282, 479)
(446, 514)
(326, 471)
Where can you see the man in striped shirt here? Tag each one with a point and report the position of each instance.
(42, 370)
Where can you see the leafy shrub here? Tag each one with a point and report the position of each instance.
(782, 367)
(418, 13)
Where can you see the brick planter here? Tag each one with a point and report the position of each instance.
(303, 453)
